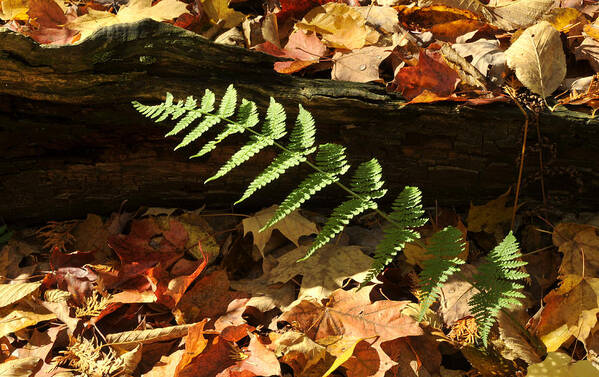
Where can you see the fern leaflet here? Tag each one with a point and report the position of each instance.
(497, 282)
(406, 216)
(272, 129)
(301, 143)
(206, 106)
(444, 248)
(331, 162)
(366, 183)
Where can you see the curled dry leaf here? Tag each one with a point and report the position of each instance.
(538, 58)
(148, 336)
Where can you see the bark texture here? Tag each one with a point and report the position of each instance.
(71, 143)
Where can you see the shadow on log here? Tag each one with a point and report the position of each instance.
(71, 142)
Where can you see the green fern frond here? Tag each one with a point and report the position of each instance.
(331, 164)
(272, 129)
(301, 143)
(155, 111)
(406, 216)
(247, 117)
(366, 183)
(444, 248)
(497, 281)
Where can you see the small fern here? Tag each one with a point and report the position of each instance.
(366, 186)
(444, 248)
(497, 283)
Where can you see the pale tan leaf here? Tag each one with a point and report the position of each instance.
(11, 293)
(130, 360)
(538, 59)
(148, 336)
(293, 226)
(24, 314)
(324, 271)
(134, 11)
(360, 65)
(24, 367)
(559, 364)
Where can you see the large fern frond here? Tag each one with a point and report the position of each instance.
(444, 248)
(331, 164)
(497, 282)
(300, 145)
(406, 216)
(366, 183)
(273, 129)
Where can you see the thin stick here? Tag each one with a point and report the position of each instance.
(510, 91)
(541, 160)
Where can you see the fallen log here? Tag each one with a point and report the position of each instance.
(71, 142)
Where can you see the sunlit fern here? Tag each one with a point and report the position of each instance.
(329, 163)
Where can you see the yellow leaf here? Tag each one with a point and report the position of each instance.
(14, 10)
(134, 11)
(488, 217)
(24, 367)
(218, 10)
(342, 350)
(559, 364)
(340, 25)
(564, 19)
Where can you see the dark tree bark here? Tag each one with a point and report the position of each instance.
(71, 142)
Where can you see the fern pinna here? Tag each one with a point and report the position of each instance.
(330, 164)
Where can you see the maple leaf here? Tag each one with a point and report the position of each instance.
(209, 298)
(489, 217)
(431, 74)
(323, 272)
(134, 11)
(351, 314)
(580, 245)
(218, 10)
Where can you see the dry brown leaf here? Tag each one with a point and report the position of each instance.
(298, 351)
(538, 59)
(580, 245)
(148, 336)
(264, 296)
(350, 314)
(24, 367)
(340, 25)
(11, 293)
(130, 360)
(293, 226)
(515, 345)
(359, 65)
(513, 15)
(455, 295)
(383, 18)
(486, 56)
(324, 271)
(570, 310)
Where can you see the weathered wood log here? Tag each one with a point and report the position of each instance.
(71, 142)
